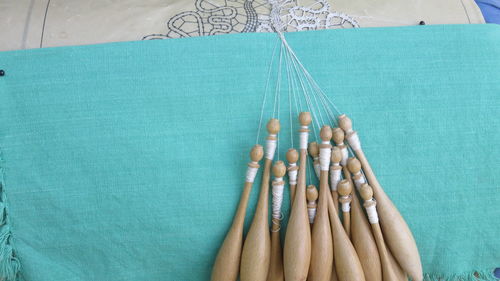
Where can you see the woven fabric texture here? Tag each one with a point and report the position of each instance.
(125, 161)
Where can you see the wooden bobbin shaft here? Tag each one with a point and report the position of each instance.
(391, 271)
(256, 253)
(362, 237)
(292, 156)
(227, 262)
(397, 233)
(276, 264)
(297, 250)
(321, 236)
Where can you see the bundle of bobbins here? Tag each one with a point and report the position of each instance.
(331, 234)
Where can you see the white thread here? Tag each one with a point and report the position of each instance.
(312, 214)
(354, 142)
(335, 177)
(371, 211)
(325, 154)
(277, 198)
(345, 156)
(292, 174)
(316, 166)
(359, 181)
(251, 173)
(303, 138)
(270, 148)
(265, 94)
(346, 207)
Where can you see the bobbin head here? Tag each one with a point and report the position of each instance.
(313, 149)
(273, 126)
(292, 156)
(305, 118)
(338, 136)
(345, 123)
(311, 193)
(326, 133)
(279, 169)
(344, 187)
(256, 153)
(353, 165)
(366, 191)
(336, 155)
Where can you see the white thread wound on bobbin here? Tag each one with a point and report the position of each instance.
(345, 155)
(354, 142)
(346, 207)
(317, 167)
(270, 148)
(303, 138)
(359, 181)
(371, 211)
(312, 214)
(251, 173)
(277, 198)
(292, 174)
(335, 177)
(325, 155)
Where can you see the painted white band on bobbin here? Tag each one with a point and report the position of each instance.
(270, 148)
(345, 155)
(303, 136)
(359, 181)
(312, 214)
(354, 142)
(251, 173)
(325, 155)
(277, 198)
(372, 214)
(346, 207)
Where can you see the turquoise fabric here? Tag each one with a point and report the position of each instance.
(125, 161)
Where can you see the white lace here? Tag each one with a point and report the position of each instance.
(287, 15)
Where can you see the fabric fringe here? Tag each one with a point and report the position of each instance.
(9, 263)
(483, 275)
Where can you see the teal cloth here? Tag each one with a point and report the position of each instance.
(125, 161)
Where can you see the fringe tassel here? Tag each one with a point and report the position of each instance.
(9, 263)
(483, 275)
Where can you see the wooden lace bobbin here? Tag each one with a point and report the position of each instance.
(227, 263)
(335, 174)
(335, 178)
(292, 156)
(297, 250)
(361, 234)
(347, 264)
(396, 232)
(391, 271)
(312, 196)
(321, 236)
(313, 150)
(338, 139)
(276, 265)
(345, 189)
(257, 247)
